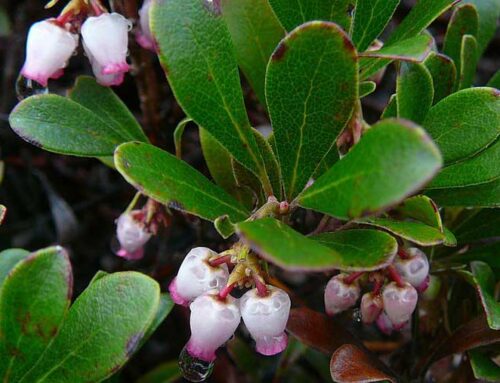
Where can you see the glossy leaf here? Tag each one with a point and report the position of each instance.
(168, 180)
(292, 13)
(484, 368)
(196, 52)
(377, 173)
(391, 109)
(92, 343)
(414, 49)
(178, 134)
(465, 123)
(370, 19)
(443, 73)
(366, 88)
(270, 162)
(168, 372)
(346, 250)
(483, 195)
(423, 209)
(468, 58)
(8, 259)
(485, 284)
(255, 32)
(311, 88)
(489, 11)
(495, 80)
(414, 91)
(33, 301)
(413, 231)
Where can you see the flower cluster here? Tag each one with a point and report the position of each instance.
(204, 283)
(389, 304)
(52, 42)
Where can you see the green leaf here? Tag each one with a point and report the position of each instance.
(168, 372)
(255, 32)
(165, 306)
(224, 226)
(178, 134)
(468, 58)
(414, 49)
(292, 13)
(8, 259)
(495, 80)
(102, 330)
(198, 57)
(423, 209)
(489, 11)
(464, 21)
(370, 19)
(477, 225)
(484, 367)
(485, 284)
(366, 88)
(443, 73)
(414, 92)
(423, 13)
(393, 159)
(270, 162)
(483, 168)
(483, 195)
(34, 300)
(464, 123)
(311, 88)
(170, 181)
(391, 109)
(60, 125)
(345, 250)
(413, 231)
(104, 103)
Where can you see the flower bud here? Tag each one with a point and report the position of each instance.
(132, 235)
(144, 37)
(371, 307)
(339, 296)
(48, 49)
(196, 276)
(266, 318)
(414, 269)
(399, 302)
(105, 39)
(213, 321)
(384, 324)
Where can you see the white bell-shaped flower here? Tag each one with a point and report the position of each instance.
(415, 269)
(213, 322)
(48, 49)
(144, 37)
(339, 296)
(131, 234)
(196, 276)
(105, 40)
(266, 318)
(399, 302)
(371, 307)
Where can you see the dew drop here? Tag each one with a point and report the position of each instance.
(26, 87)
(194, 369)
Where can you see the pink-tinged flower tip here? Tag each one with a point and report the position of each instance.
(265, 318)
(174, 294)
(371, 307)
(196, 276)
(415, 268)
(339, 295)
(213, 322)
(399, 302)
(384, 324)
(48, 49)
(131, 256)
(132, 235)
(144, 36)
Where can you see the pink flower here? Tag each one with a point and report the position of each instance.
(399, 302)
(143, 36)
(213, 322)
(339, 296)
(384, 324)
(196, 276)
(266, 318)
(132, 235)
(415, 269)
(48, 49)
(371, 307)
(105, 40)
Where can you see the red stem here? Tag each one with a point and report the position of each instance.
(352, 277)
(220, 261)
(393, 273)
(377, 287)
(226, 291)
(64, 18)
(262, 290)
(403, 254)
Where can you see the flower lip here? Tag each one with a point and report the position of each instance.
(144, 36)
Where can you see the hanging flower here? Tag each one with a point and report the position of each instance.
(132, 235)
(399, 303)
(414, 269)
(144, 36)
(339, 295)
(371, 307)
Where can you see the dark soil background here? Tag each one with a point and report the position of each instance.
(74, 202)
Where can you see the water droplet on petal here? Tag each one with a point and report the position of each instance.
(194, 369)
(26, 87)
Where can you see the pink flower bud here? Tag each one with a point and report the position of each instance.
(105, 39)
(384, 324)
(196, 276)
(48, 49)
(266, 318)
(399, 302)
(144, 37)
(339, 296)
(414, 269)
(213, 322)
(371, 307)
(132, 235)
